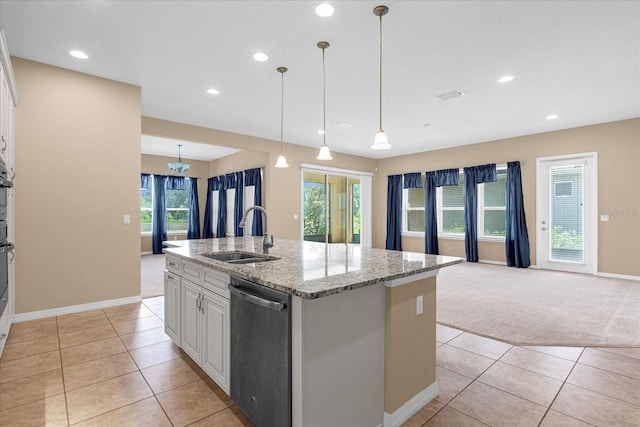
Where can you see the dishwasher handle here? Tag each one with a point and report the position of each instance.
(238, 291)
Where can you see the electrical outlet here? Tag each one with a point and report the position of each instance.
(126, 219)
(419, 309)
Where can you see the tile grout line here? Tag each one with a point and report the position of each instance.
(64, 388)
(473, 380)
(560, 390)
(137, 370)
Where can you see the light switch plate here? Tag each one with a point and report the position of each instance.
(604, 218)
(126, 219)
(419, 308)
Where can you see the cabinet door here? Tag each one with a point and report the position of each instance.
(7, 115)
(172, 306)
(191, 324)
(215, 356)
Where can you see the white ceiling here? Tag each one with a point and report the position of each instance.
(577, 59)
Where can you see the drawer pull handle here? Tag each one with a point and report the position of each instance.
(3, 336)
(170, 277)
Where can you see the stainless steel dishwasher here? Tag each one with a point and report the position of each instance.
(261, 353)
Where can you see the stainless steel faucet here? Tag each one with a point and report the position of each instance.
(267, 241)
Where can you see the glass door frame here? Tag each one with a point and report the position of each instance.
(590, 225)
(366, 178)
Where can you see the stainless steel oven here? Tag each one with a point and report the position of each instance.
(6, 247)
(5, 252)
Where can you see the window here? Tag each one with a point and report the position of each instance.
(146, 204)
(492, 206)
(450, 208)
(177, 208)
(413, 199)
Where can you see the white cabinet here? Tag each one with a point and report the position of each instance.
(197, 315)
(191, 318)
(8, 103)
(172, 306)
(215, 349)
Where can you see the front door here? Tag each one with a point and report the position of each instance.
(567, 213)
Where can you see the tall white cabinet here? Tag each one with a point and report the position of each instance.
(8, 103)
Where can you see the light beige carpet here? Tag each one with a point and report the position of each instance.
(151, 275)
(539, 307)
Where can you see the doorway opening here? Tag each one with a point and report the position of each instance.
(336, 206)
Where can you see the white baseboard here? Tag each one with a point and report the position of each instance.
(488, 261)
(618, 276)
(146, 253)
(411, 407)
(32, 315)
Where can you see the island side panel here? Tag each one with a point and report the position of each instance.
(338, 359)
(410, 342)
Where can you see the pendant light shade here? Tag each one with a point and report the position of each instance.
(282, 161)
(325, 153)
(380, 142)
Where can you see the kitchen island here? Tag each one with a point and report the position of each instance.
(363, 323)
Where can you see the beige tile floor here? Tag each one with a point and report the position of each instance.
(110, 367)
(116, 367)
(488, 382)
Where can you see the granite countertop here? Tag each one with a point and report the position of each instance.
(309, 269)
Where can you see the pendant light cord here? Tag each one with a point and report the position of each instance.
(380, 68)
(282, 114)
(324, 110)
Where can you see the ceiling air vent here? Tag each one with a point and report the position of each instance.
(450, 95)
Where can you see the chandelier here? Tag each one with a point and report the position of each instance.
(179, 167)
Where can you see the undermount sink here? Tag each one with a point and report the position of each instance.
(237, 257)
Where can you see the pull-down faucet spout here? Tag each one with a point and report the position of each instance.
(267, 241)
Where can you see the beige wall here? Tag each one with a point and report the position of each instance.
(282, 195)
(158, 165)
(78, 172)
(410, 342)
(618, 148)
(239, 161)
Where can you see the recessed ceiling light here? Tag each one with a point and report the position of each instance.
(505, 79)
(451, 95)
(324, 10)
(213, 91)
(260, 57)
(552, 117)
(342, 126)
(78, 54)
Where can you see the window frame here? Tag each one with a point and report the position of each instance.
(439, 210)
(169, 233)
(406, 209)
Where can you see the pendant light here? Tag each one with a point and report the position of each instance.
(324, 154)
(282, 161)
(380, 142)
(179, 167)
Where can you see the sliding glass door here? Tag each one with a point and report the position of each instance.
(332, 208)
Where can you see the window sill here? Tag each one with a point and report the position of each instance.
(169, 233)
(454, 237)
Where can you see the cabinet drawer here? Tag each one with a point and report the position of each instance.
(172, 278)
(192, 271)
(173, 264)
(216, 281)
